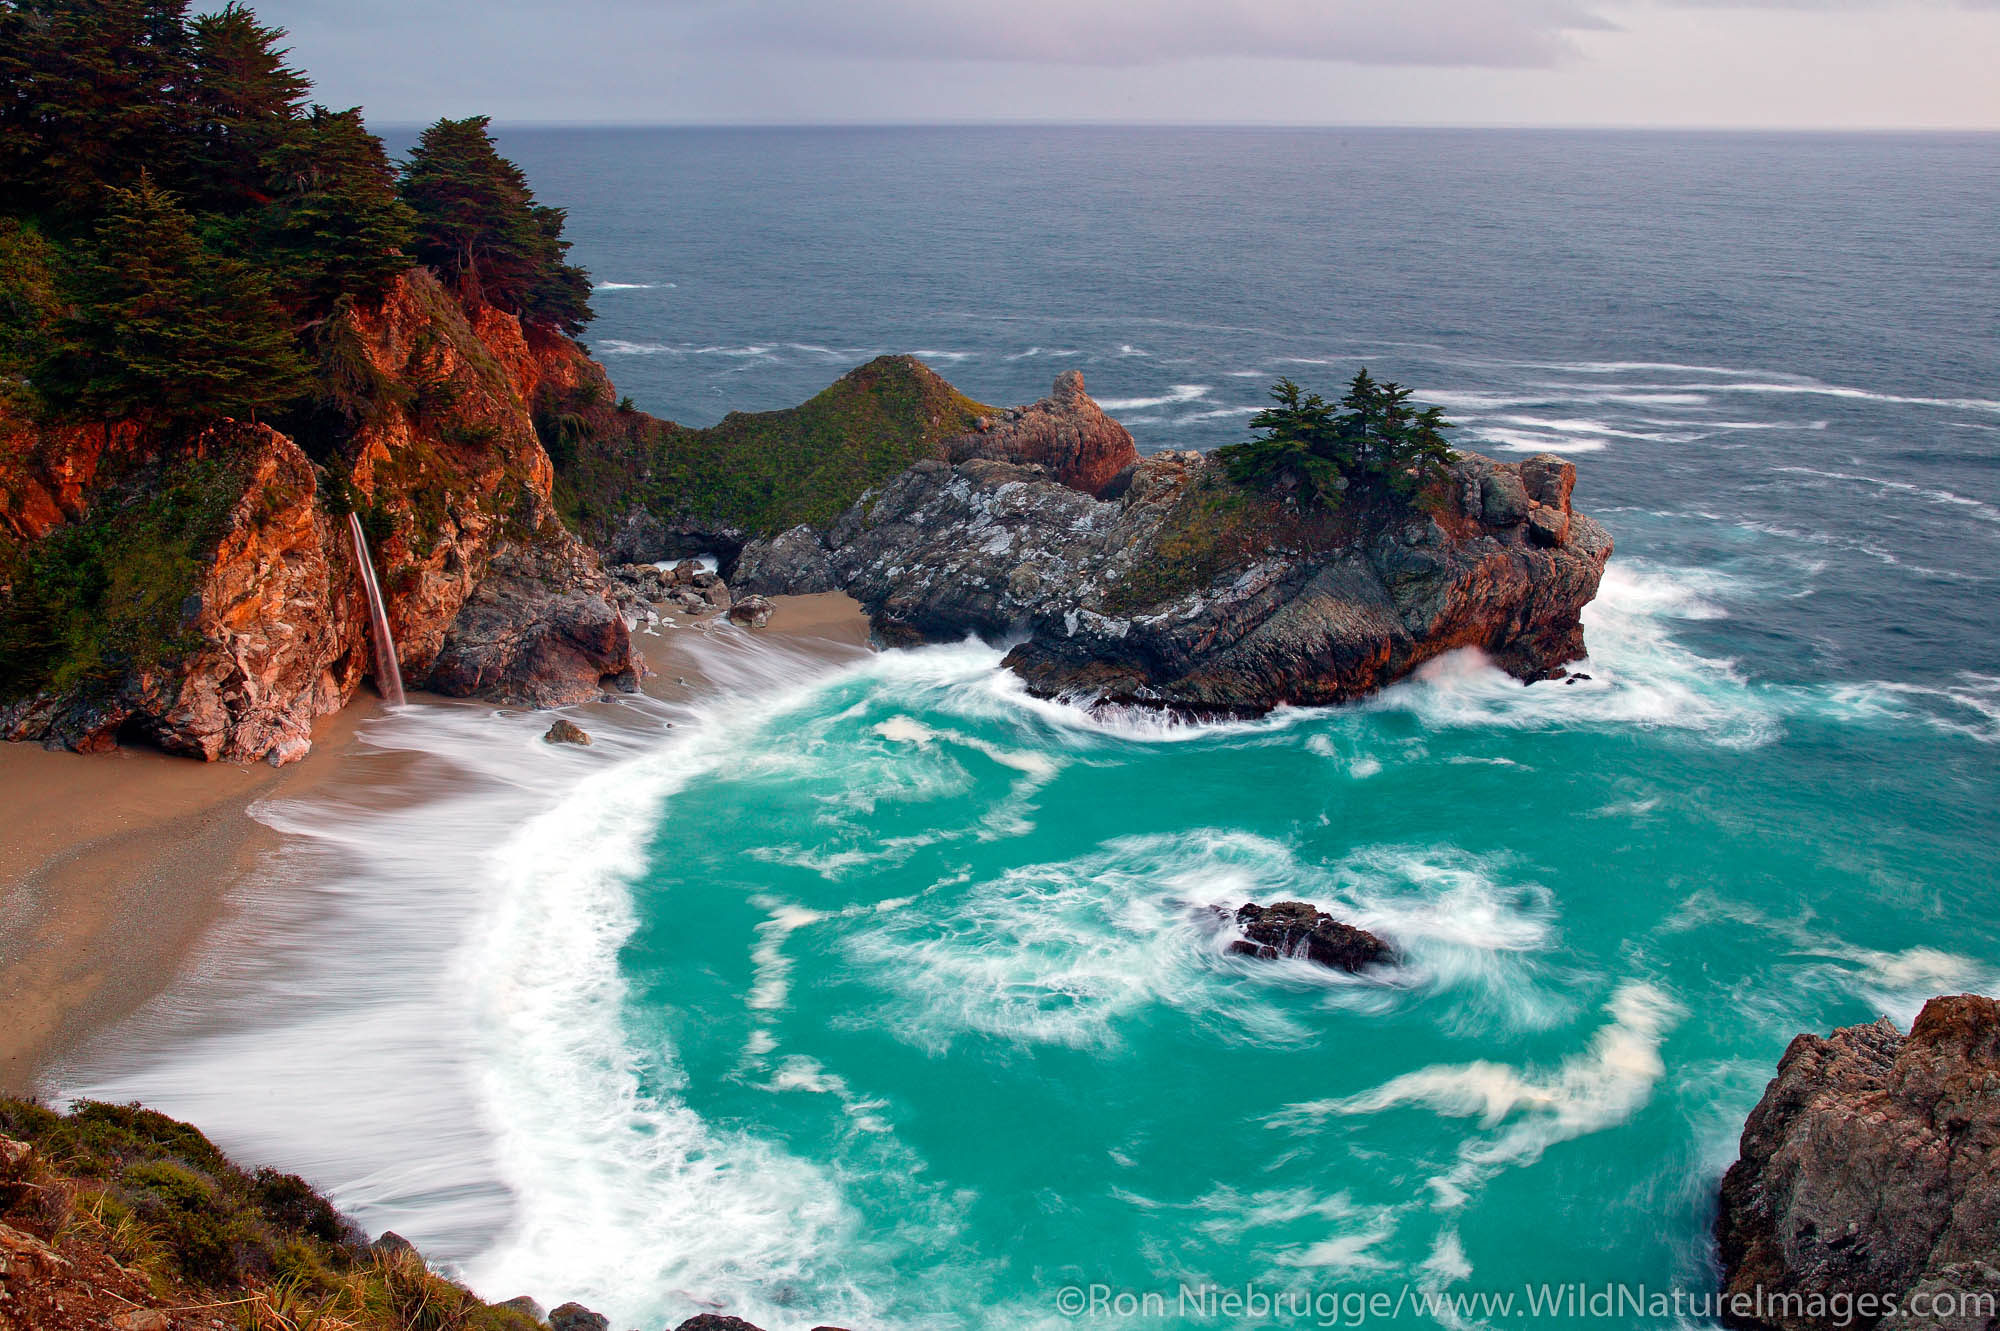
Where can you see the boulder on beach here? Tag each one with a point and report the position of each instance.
(563, 731)
(1871, 1167)
(751, 612)
(576, 1317)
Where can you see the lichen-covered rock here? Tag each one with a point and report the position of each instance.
(1871, 1167)
(1184, 590)
(795, 561)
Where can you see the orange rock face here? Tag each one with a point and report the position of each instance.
(1067, 432)
(449, 476)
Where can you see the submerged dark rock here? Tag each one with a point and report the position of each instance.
(1298, 929)
(1871, 1168)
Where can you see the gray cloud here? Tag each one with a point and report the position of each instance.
(1500, 33)
(1730, 62)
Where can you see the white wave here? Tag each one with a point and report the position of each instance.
(1065, 953)
(1604, 430)
(1521, 1112)
(1814, 388)
(1969, 706)
(1522, 441)
(1985, 512)
(632, 286)
(1838, 541)
(1176, 394)
(617, 347)
(1127, 349)
(1639, 675)
(1216, 414)
(1626, 366)
(952, 356)
(1553, 395)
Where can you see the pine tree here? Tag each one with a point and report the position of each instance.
(165, 331)
(242, 104)
(337, 227)
(479, 225)
(1374, 440)
(90, 95)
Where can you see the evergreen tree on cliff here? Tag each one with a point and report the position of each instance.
(243, 103)
(336, 223)
(90, 95)
(1374, 440)
(164, 331)
(478, 224)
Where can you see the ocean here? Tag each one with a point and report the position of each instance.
(874, 992)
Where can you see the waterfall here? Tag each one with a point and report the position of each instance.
(388, 675)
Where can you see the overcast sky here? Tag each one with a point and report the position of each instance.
(1785, 63)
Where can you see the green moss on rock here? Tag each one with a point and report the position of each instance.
(761, 472)
(108, 594)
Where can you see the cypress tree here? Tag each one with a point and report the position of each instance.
(90, 95)
(164, 331)
(242, 103)
(479, 225)
(337, 224)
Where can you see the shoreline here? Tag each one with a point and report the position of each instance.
(120, 867)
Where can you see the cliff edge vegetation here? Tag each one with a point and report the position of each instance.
(227, 321)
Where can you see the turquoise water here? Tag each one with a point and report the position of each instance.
(878, 994)
(921, 974)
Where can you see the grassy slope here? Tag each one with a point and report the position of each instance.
(189, 1230)
(760, 471)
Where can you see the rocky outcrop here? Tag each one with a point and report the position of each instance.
(1871, 1170)
(539, 630)
(1182, 589)
(203, 595)
(267, 635)
(1066, 432)
(1297, 929)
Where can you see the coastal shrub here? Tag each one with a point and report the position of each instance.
(106, 594)
(762, 472)
(30, 298)
(1374, 440)
(1210, 529)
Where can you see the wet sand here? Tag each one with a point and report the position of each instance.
(112, 867)
(115, 867)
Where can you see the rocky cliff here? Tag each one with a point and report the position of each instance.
(202, 593)
(1869, 1180)
(1169, 584)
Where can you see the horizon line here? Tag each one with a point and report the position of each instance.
(1238, 126)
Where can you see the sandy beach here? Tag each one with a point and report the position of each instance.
(114, 868)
